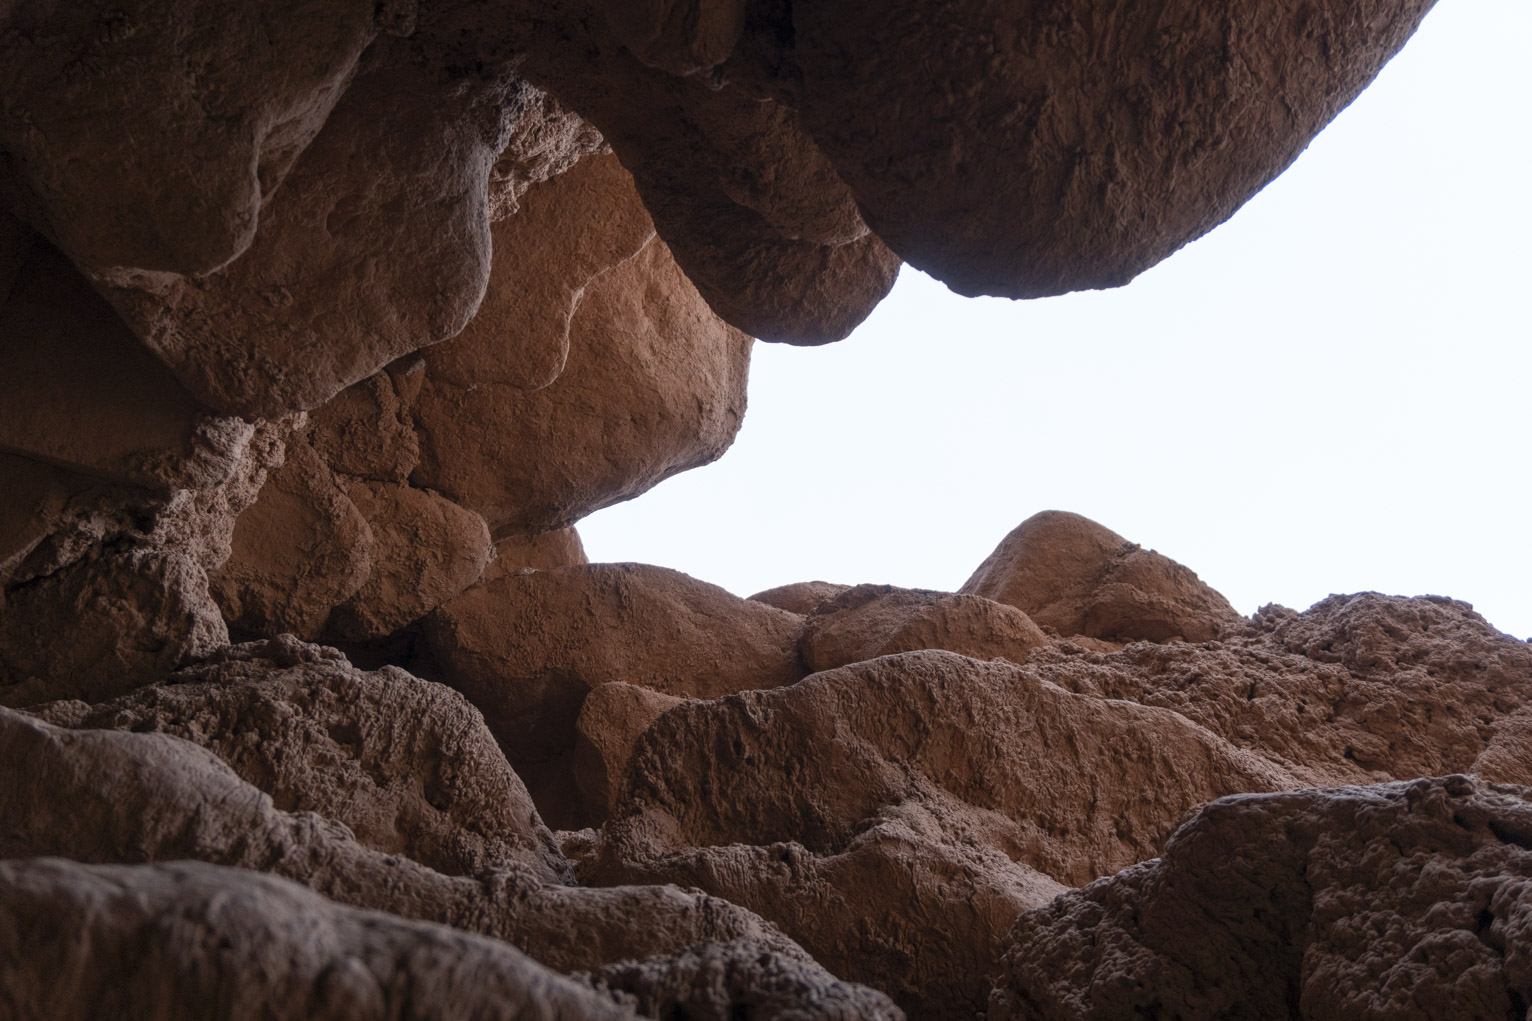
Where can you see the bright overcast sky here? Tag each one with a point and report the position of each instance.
(1329, 393)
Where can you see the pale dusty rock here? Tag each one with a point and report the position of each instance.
(107, 623)
(527, 649)
(185, 940)
(879, 620)
(728, 981)
(1090, 143)
(921, 793)
(299, 551)
(376, 245)
(799, 596)
(425, 550)
(611, 720)
(776, 247)
(77, 389)
(1069, 573)
(114, 796)
(654, 385)
(149, 134)
(1358, 689)
(405, 764)
(566, 231)
(1401, 901)
(514, 553)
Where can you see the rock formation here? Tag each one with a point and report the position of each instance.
(321, 328)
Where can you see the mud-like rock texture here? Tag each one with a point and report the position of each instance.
(1406, 900)
(329, 323)
(1073, 575)
(919, 786)
(869, 621)
(188, 940)
(528, 648)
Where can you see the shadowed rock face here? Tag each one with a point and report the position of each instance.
(329, 321)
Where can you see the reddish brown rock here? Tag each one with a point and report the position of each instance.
(1401, 901)
(611, 720)
(654, 385)
(879, 620)
(106, 796)
(527, 649)
(565, 232)
(1071, 574)
(1091, 143)
(365, 430)
(425, 550)
(800, 596)
(107, 623)
(150, 134)
(77, 389)
(184, 940)
(302, 549)
(924, 793)
(405, 764)
(515, 553)
(1359, 689)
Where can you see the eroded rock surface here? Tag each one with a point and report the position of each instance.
(528, 648)
(1071, 574)
(1405, 900)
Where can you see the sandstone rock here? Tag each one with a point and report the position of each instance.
(1069, 573)
(912, 805)
(800, 596)
(405, 764)
(149, 135)
(30, 508)
(106, 624)
(778, 250)
(425, 550)
(725, 981)
(1359, 689)
(527, 649)
(184, 940)
(376, 245)
(515, 553)
(611, 720)
(365, 431)
(682, 38)
(566, 231)
(302, 549)
(1091, 144)
(878, 620)
(548, 140)
(1406, 900)
(104, 797)
(77, 389)
(654, 385)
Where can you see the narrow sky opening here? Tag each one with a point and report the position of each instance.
(1328, 393)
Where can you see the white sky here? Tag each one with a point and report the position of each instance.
(1329, 393)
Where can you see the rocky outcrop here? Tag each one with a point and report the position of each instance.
(1073, 575)
(184, 940)
(920, 793)
(528, 648)
(869, 621)
(1403, 900)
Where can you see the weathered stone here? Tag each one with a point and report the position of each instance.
(878, 620)
(1401, 901)
(527, 649)
(800, 596)
(1069, 573)
(514, 553)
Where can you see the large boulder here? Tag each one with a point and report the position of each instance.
(1399, 902)
(1071, 574)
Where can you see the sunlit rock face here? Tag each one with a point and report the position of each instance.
(323, 326)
